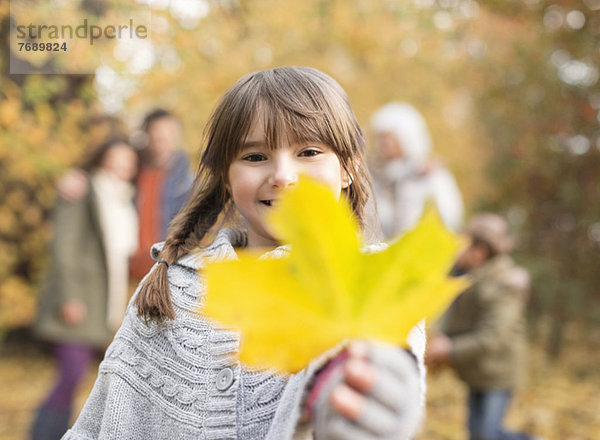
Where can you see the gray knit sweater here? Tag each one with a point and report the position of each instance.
(181, 380)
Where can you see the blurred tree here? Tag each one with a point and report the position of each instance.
(509, 88)
(541, 113)
(44, 127)
(508, 84)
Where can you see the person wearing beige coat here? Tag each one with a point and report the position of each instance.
(482, 334)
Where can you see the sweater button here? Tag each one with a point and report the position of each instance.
(224, 379)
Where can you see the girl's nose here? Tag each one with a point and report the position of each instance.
(284, 173)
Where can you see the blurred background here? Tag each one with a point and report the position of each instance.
(510, 90)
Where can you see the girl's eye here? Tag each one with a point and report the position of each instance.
(310, 152)
(254, 157)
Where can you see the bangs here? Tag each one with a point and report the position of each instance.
(297, 106)
(298, 120)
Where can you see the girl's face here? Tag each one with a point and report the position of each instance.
(121, 161)
(257, 176)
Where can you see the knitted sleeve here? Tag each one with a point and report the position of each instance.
(271, 405)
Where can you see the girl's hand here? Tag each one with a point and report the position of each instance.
(373, 394)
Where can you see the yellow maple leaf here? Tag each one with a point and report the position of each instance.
(289, 310)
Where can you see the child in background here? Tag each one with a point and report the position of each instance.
(482, 334)
(86, 292)
(171, 373)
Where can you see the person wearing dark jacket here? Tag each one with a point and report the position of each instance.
(162, 186)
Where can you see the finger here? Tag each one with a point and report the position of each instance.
(358, 350)
(360, 375)
(382, 385)
(380, 354)
(346, 401)
(363, 375)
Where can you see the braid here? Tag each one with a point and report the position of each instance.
(200, 213)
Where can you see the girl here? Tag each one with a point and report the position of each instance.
(86, 292)
(173, 374)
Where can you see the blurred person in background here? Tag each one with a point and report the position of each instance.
(404, 175)
(482, 334)
(84, 299)
(163, 183)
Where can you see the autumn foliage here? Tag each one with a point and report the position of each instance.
(509, 88)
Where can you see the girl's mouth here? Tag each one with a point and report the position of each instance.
(269, 202)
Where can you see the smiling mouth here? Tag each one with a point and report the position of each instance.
(269, 202)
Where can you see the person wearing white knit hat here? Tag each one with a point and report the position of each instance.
(406, 176)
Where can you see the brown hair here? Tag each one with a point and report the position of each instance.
(301, 103)
(96, 157)
(155, 115)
